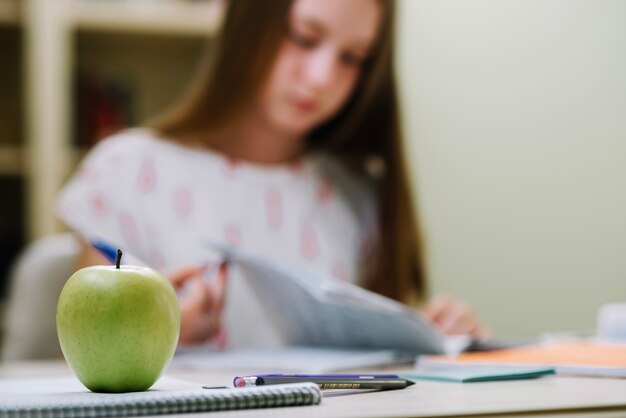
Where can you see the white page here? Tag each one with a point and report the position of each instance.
(54, 391)
(56, 385)
(312, 310)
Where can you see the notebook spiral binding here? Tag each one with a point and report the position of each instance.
(158, 403)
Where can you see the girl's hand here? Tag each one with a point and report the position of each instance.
(453, 317)
(200, 302)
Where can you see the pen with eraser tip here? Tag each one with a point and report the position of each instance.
(334, 381)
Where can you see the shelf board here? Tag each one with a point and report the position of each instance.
(11, 160)
(9, 12)
(167, 17)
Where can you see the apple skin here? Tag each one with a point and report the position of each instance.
(118, 328)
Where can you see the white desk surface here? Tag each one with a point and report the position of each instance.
(550, 396)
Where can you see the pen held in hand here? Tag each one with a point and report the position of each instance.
(382, 382)
(109, 252)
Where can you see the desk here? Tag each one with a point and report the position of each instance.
(550, 396)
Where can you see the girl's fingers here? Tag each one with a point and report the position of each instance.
(216, 291)
(453, 316)
(456, 319)
(197, 324)
(193, 300)
(437, 308)
(201, 303)
(201, 330)
(180, 275)
(481, 332)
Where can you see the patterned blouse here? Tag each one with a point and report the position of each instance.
(162, 202)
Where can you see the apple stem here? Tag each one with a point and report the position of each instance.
(119, 258)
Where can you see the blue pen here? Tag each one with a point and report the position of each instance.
(110, 253)
(328, 381)
(105, 249)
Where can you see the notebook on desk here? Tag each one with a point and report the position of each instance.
(580, 358)
(66, 397)
(475, 374)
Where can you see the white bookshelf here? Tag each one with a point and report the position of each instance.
(183, 18)
(53, 28)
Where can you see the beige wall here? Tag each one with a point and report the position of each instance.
(516, 120)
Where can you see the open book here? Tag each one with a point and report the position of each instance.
(315, 311)
(290, 319)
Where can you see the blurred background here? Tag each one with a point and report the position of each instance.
(515, 114)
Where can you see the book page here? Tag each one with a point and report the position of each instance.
(312, 310)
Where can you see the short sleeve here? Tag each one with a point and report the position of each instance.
(97, 202)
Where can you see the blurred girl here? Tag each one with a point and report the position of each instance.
(288, 145)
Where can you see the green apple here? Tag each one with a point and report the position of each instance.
(118, 326)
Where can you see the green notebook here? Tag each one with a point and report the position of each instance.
(61, 398)
(469, 374)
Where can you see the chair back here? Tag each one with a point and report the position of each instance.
(36, 281)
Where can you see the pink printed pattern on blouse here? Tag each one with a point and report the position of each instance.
(324, 191)
(99, 203)
(130, 230)
(147, 177)
(232, 234)
(309, 245)
(274, 208)
(183, 202)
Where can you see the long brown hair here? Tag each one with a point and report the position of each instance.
(366, 129)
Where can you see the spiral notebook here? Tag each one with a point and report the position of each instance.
(66, 397)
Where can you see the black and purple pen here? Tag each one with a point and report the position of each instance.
(327, 381)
